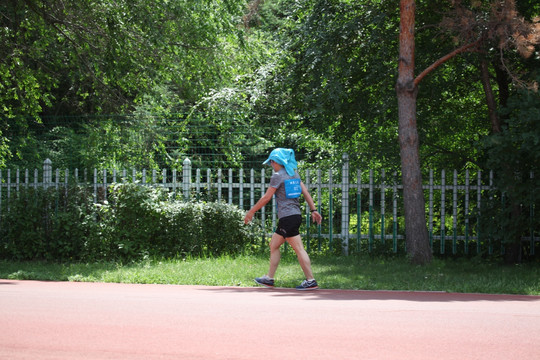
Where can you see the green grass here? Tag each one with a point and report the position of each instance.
(332, 272)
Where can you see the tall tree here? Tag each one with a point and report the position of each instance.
(503, 25)
(416, 234)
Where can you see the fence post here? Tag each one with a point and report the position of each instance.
(345, 205)
(186, 178)
(47, 173)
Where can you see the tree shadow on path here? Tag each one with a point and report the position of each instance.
(363, 295)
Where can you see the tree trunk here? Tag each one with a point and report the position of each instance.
(503, 83)
(416, 234)
(490, 99)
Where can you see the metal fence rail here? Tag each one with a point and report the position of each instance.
(362, 211)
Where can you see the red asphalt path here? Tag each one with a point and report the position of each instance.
(66, 320)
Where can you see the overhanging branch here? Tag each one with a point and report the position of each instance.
(442, 60)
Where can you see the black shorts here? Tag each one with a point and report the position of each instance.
(289, 226)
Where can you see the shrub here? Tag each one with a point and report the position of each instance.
(45, 224)
(135, 222)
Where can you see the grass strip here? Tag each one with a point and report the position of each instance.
(332, 272)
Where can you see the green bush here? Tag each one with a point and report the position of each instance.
(133, 223)
(45, 224)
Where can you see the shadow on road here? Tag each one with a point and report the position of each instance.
(363, 295)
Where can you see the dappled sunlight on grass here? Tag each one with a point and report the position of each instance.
(332, 272)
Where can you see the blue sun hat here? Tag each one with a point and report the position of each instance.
(284, 157)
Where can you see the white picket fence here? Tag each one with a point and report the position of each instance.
(360, 212)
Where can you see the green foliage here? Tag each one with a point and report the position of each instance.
(329, 90)
(210, 140)
(314, 75)
(136, 222)
(4, 150)
(46, 224)
(513, 155)
(144, 221)
(91, 57)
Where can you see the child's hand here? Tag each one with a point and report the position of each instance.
(248, 217)
(317, 218)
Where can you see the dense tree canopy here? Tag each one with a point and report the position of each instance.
(114, 57)
(103, 56)
(315, 70)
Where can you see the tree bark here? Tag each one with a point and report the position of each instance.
(416, 234)
(490, 99)
(503, 83)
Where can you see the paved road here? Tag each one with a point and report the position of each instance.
(61, 320)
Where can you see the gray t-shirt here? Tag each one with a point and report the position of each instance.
(285, 206)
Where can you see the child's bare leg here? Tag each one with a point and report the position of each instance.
(303, 257)
(275, 254)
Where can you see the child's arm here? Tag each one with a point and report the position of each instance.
(262, 201)
(314, 213)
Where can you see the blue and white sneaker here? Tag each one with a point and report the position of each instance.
(308, 285)
(265, 281)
